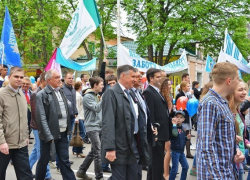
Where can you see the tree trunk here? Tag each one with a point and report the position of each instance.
(156, 56)
(86, 50)
(150, 53)
(160, 58)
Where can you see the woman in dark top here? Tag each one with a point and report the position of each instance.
(165, 90)
(185, 91)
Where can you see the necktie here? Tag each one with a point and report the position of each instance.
(133, 110)
(27, 97)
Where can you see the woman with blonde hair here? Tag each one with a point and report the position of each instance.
(235, 101)
(185, 91)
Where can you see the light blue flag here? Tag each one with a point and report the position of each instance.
(87, 66)
(240, 76)
(209, 64)
(9, 53)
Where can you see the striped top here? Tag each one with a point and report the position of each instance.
(215, 139)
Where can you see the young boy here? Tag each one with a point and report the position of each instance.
(178, 143)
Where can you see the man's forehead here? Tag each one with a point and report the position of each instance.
(18, 73)
(26, 81)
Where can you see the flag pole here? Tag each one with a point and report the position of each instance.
(105, 47)
(118, 31)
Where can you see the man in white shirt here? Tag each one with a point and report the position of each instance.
(185, 77)
(3, 76)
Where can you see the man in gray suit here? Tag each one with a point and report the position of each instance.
(120, 127)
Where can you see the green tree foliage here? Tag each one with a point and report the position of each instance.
(40, 26)
(34, 22)
(185, 23)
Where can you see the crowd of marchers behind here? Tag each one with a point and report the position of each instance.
(131, 126)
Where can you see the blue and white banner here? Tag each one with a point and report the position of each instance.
(131, 58)
(87, 66)
(9, 53)
(209, 64)
(232, 54)
(84, 21)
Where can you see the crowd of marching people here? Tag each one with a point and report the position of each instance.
(130, 128)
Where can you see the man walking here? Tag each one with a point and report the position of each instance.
(70, 94)
(145, 129)
(159, 113)
(27, 93)
(120, 127)
(93, 125)
(216, 150)
(35, 153)
(14, 136)
(54, 124)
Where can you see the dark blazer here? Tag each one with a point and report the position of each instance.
(117, 126)
(197, 93)
(102, 75)
(70, 94)
(47, 114)
(143, 123)
(159, 112)
(33, 108)
(180, 94)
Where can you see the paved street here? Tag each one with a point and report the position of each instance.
(10, 175)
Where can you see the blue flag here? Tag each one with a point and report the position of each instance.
(240, 76)
(9, 53)
(87, 66)
(209, 64)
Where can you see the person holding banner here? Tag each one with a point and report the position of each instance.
(184, 91)
(216, 149)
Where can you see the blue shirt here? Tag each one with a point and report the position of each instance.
(215, 139)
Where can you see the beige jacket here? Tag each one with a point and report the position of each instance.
(13, 118)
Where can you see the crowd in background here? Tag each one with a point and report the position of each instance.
(131, 126)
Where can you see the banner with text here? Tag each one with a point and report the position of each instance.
(131, 58)
(84, 21)
(233, 55)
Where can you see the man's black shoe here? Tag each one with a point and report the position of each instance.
(107, 170)
(71, 162)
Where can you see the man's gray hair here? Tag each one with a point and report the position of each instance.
(124, 69)
(49, 74)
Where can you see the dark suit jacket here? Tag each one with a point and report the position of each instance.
(159, 112)
(143, 123)
(117, 126)
(197, 93)
(180, 94)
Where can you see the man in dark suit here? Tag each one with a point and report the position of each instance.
(145, 130)
(27, 93)
(159, 113)
(120, 127)
(195, 86)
